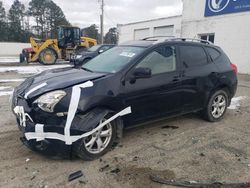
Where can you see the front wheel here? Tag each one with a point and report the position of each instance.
(216, 106)
(97, 144)
(47, 56)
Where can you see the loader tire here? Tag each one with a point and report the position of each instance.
(47, 56)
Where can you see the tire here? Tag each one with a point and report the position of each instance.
(80, 149)
(216, 106)
(47, 56)
(21, 58)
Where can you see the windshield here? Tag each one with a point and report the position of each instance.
(113, 60)
(94, 48)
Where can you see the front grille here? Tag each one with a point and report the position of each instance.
(19, 91)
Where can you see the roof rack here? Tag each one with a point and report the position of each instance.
(192, 40)
(154, 38)
(173, 38)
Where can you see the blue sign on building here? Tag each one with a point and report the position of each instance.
(219, 7)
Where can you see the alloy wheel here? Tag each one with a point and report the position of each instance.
(218, 106)
(99, 140)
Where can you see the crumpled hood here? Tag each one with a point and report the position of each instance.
(58, 79)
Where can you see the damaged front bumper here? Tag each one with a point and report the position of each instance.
(51, 147)
(49, 139)
(46, 132)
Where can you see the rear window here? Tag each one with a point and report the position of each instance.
(214, 54)
(192, 56)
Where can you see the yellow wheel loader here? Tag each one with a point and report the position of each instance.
(47, 52)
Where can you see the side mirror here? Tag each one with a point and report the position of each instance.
(142, 72)
(100, 51)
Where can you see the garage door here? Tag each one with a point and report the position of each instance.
(164, 30)
(141, 33)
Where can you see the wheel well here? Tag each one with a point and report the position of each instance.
(221, 87)
(87, 58)
(224, 87)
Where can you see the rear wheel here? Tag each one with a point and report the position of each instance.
(97, 144)
(21, 58)
(47, 56)
(217, 106)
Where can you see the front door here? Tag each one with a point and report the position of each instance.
(159, 95)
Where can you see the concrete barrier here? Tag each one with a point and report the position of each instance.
(12, 49)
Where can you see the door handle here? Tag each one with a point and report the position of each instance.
(215, 73)
(176, 79)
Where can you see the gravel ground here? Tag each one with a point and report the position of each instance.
(184, 148)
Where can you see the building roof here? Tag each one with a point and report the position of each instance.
(169, 17)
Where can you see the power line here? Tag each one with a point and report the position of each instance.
(115, 23)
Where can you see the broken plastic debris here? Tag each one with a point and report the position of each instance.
(195, 184)
(115, 171)
(27, 160)
(75, 175)
(169, 127)
(103, 168)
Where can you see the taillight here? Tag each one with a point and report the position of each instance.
(234, 67)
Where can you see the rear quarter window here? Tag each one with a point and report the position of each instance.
(192, 56)
(213, 53)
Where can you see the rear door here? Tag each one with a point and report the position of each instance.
(198, 77)
(159, 95)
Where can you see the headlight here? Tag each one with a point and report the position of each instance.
(78, 56)
(48, 101)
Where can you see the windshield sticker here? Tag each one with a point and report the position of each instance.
(127, 54)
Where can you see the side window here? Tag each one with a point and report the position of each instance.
(104, 48)
(192, 56)
(214, 54)
(161, 60)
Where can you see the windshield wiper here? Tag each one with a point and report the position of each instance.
(87, 69)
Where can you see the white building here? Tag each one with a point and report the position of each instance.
(170, 26)
(225, 22)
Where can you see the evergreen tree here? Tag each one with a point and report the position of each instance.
(16, 22)
(111, 36)
(48, 17)
(3, 24)
(16, 26)
(54, 18)
(37, 9)
(91, 32)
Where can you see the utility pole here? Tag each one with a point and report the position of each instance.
(101, 18)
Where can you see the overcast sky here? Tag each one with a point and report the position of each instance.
(83, 13)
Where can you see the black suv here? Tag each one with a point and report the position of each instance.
(85, 110)
(83, 57)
